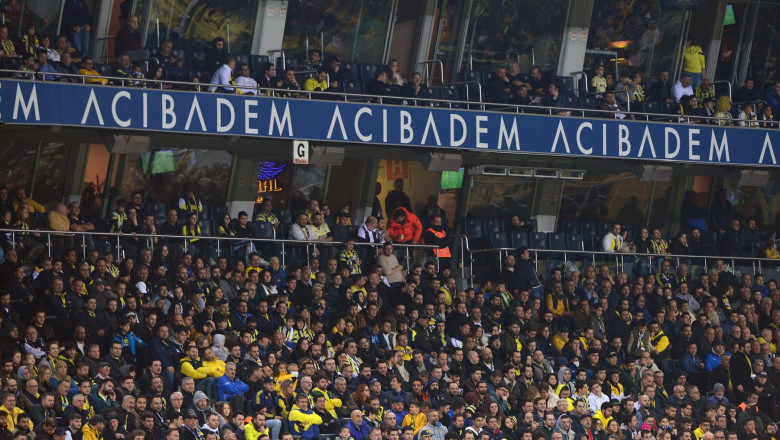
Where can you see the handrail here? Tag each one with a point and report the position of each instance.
(187, 240)
(621, 256)
(466, 83)
(316, 95)
(284, 58)
(722, 81)
(426, 63)
(574, 76)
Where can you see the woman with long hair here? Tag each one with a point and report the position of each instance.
(361, 395)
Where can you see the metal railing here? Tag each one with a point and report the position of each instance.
(346, 97)
(619, 258)
(152, 240)
(429, 70)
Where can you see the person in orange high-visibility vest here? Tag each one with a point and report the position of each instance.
(437, 235)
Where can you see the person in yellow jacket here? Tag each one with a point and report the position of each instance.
(693, 62)
(560, 339)
(192, 366)
(557, 302)
(604, 414)
(88, 69)
(22, 199)
(9, 406)
(212, 366)
(416, 418)
(303, 421)
(254, 427)
(93, 430)
(331, 402)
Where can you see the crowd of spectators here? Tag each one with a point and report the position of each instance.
(350, 342)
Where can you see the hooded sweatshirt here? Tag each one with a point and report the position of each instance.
(219, 349)
(567, 434)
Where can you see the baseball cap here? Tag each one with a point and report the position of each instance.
(190, 414)
(59, 431)
(426, 433)
(761, 374)
(269, 380)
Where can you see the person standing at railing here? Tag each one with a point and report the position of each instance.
(57, 220)
(76, 21)
(436, 235)
(7, 49)
(693, 61)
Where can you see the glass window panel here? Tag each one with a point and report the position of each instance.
(44, 14)
(309, 183)
(500, 31)
(646, 37)
(208, 170)
(606, 197)
(17, 162)
(497, 196)
(203, 21)
(51, 173)
(354, 30)
(765, 49)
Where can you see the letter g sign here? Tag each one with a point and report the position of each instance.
(301, 152)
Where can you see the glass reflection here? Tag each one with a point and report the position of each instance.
(606, 197)
(495, 196)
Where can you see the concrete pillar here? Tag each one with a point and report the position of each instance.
(243, 184)
(575, 37)
(269, 26)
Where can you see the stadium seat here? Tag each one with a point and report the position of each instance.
(604, 229)
(357, 74)
(537, 240)
(472, 76)
(367, 72)
(206, 228)
(285, 216)
(498, 240)
(569, 227)
(556, 241)
(574, 242)
(256, 63)
(264, 230)
(493, 224)
(157, 210)
(104, 69)
(519, 239)
(473, 228)
(589, 228)
(567, 83)
(352, 87)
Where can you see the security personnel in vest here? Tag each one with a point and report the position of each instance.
(437, 235)
(189, 203)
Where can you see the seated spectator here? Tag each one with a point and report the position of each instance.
(248, 85)
(556, 99)
(28, 67)
(314, 62)
(164, 55)
(29, 39)
(766, 118)
(705, 90)
(536, 82)
(300, 230)
(51, 54)
(394, 78)
(129, 42)
(88, 68)
(747, 93)
(45, 67)
(378, 85)
(708, 110)
(513, 73)
(318, 82)
(223, 77)
(523, 97)
(336, 74)
(610, 104)
(415, 87)
(638, 95)
(747, 116)
(154, 78)
(624, 89)
(22, 199)
(268, 79)
(770, 250)
(290, 83)
(216, 54)
(7, 48)
(689, 106)
(723, 111)
(613, 241)
(63, 46)
(499, 87)
(662, 88)
(68, 67)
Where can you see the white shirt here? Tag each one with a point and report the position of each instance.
(222, 77)
(302, 234)
(611, 243)
(596, 401)
(678, 91)
(246, 81)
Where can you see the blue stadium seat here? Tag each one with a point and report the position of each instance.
(264, 230)
(670, 108)
(285, 216)
(357, 74)
(352, 87)
(104, 69)
(157, 210)
(573, 102)
(574, 242)
(537, 240)
(519, 239)
(493, 225)
(498, 240)
(217, 212)
(198, 59)
(472, 75)
(589, 228)
(207, 228)
(256, 63)
(604, 229)
(568, 227)
(367, 72)
(567, 83)
(556, 241)
(473, 228)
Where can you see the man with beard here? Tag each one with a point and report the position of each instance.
(436, 235)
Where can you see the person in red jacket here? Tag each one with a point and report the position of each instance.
(405, 227)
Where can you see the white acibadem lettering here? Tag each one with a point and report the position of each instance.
(462, 122)
(646, 138)
(92, 102)
(32, 104)
(721, 148)
(167, 111)
(693, 142)
(360, 135)
(669, 154)
(581, 147)
(481, 130)
(222, 102)
(337, 118)
(508, 137)
(286, 121)
(195, 108)
(767, 146)
(407, 134)
(120, 122)
(560, 133)
(249, 115)
(430, 124)
(623, 141)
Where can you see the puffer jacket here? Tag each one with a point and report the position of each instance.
(411, 228)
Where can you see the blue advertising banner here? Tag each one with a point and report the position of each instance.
(27, 102)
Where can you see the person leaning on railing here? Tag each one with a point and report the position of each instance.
(88, 69)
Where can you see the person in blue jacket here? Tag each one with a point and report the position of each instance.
(130, 342)
(230, 388)
(358, 427)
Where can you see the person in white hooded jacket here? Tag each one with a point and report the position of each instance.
(219, 349)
